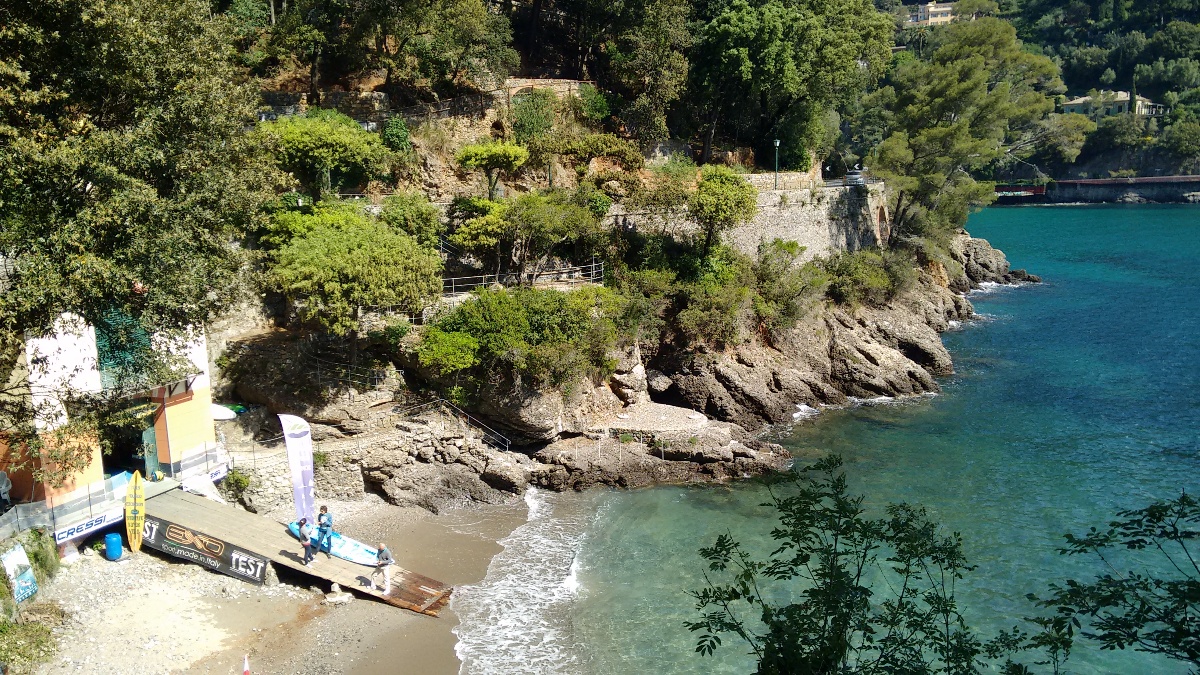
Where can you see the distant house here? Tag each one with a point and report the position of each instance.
(1113, 103)
(932, 14)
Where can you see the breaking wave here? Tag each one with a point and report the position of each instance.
(518, 618)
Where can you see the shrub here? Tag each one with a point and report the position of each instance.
(586, 147)
(236, 483)
(395, 135)
(593, 104)
(533, 114)
(784, 287)
(24, 644)
(43, 555)
(717, 304)
(625, 438)
(868, 277)
(412, 214)
(447, 352)
(550, 337)
(320, 459)
(394, 330)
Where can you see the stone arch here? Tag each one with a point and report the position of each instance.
(883, 225)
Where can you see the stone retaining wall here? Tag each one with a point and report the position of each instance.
(824, 220)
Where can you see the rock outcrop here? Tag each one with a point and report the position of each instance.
(368, 443)
(982, 263)
(832, 354)
(436, 460)
(835, 352)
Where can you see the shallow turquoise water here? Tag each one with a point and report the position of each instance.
(1072, 399)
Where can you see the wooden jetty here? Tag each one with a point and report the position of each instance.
(227, 539)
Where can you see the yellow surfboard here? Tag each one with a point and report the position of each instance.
(135, 511)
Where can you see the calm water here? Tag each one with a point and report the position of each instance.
(1073, 398)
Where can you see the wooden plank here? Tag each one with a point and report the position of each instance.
(272, 540)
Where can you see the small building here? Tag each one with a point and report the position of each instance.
(932, 14)
(176, 438)
(1110, 103)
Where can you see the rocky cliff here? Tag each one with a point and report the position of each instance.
(616, 432)
(836, 352)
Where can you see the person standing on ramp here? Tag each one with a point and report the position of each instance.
(324, 532)
(383, 565)
(305, 534)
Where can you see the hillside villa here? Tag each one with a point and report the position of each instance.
(1113, 103)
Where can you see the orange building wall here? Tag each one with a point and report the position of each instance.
(25, 489)
(184, 426)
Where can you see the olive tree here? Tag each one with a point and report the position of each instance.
(494, 160)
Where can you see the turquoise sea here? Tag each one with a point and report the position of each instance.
(1072, 399)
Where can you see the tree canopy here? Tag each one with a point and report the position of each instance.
(494, 160)
(722, 199)
(126, 172)
(326, 150)
(772, 69)
(977, 102)
(335, 269)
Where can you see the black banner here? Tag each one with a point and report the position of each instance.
(200, 548)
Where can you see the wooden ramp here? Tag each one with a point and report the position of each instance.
(211, 534)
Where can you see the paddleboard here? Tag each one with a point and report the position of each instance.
(135, 510)
(342, 547)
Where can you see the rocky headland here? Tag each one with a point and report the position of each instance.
(673, 417)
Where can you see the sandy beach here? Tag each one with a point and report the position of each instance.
(153, 614)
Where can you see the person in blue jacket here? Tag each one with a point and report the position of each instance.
(325, 531)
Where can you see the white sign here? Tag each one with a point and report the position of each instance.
(75, 531)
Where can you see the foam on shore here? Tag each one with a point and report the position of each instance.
(520, 612)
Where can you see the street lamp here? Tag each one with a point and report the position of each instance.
(776, 163)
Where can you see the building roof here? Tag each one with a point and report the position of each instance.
(1118, 97)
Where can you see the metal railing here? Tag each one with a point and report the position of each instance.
(89, 508)
(591, 273)
(326, 362)
(487, 434)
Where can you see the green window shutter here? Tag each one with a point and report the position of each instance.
(122, 347)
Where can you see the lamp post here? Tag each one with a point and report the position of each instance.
(776, 163)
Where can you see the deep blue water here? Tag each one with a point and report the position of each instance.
(1072, 399)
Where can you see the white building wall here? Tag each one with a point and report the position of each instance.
(61, 365)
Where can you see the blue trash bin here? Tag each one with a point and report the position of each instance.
(112, 546)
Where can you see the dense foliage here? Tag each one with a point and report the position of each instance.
(722, 200)
(975, 103)
(543, 338)
(325, 151)
(126, 173)
(336, 268)
(495, 160)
